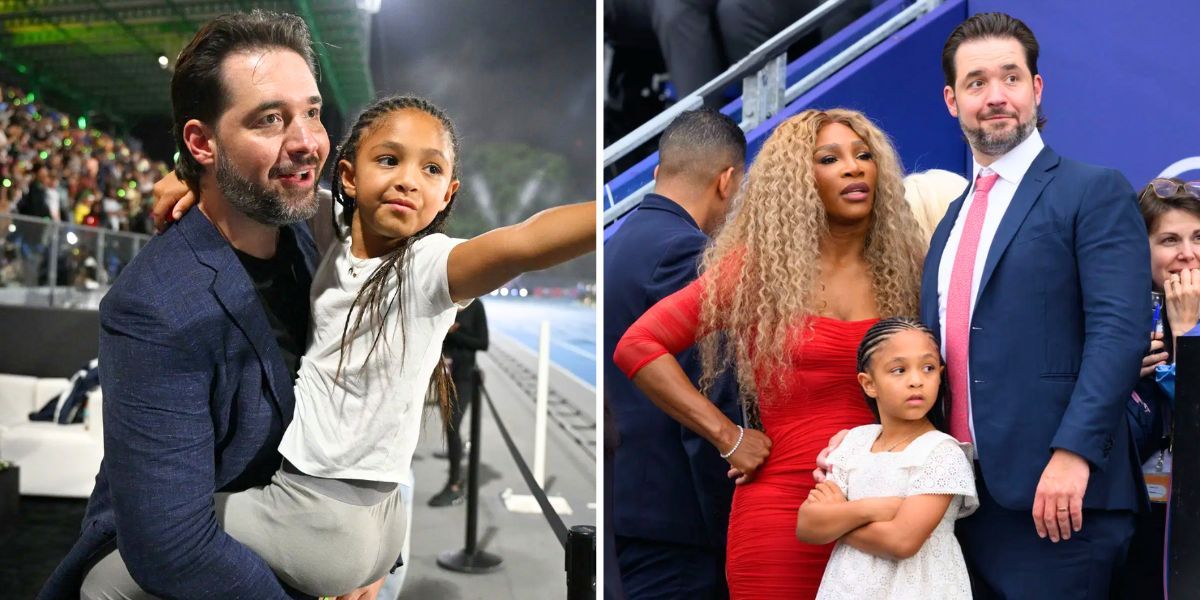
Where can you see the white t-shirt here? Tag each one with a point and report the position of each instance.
(365, 423)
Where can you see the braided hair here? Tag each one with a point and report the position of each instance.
(882, 332)
(372, 298)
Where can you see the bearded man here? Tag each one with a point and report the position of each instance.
(201, 335)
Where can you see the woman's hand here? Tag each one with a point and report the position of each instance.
(1182, 291)
(750, 455)
(1157, 355)
(172, 198)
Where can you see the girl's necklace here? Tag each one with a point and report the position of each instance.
(356, 264)
(907, 439)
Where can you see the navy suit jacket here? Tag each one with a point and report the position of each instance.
(669, 483)
(196, 398)
(1061, 322)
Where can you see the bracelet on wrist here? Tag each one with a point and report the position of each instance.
(741, 434)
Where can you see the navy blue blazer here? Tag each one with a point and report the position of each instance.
(1061, 323)
(669, 483)
(196, 399)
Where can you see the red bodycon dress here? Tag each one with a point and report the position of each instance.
(819, 396)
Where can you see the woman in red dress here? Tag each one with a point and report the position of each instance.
(821, 246)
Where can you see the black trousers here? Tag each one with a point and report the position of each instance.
(699, 39)
(465, 384)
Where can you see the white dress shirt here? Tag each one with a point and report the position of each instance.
(1011, 168)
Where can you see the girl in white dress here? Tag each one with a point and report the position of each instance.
(895, 489)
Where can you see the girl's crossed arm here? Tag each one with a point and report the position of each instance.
(826, 515)
(903, 535)
(484, 263)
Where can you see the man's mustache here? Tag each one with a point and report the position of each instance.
(311, 160)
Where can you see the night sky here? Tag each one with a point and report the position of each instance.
(505, 71)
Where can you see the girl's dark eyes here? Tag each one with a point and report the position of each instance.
(434, 169)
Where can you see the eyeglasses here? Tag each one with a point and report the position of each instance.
(1166, 188)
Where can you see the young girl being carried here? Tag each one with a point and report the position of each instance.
(383, 299)
(896, 488)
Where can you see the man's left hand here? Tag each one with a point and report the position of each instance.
(365, 593)
(1058, 504)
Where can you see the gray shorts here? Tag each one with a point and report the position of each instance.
(296, 523)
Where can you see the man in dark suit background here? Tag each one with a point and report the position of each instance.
(670, 496)
(201, 335)
(1037, 282)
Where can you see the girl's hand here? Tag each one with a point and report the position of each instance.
(172, 198)
(1182, 291)
(884, 508)
(826, 492)
(1157, 356)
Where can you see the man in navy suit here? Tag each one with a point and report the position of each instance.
(1037, 282)
(670, 494)
(202, 334)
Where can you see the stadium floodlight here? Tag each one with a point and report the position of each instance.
(162, 60)
(72, 238)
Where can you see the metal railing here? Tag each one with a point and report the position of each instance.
(764, 87)
(52, 263)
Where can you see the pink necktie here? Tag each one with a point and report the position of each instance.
(958, 307)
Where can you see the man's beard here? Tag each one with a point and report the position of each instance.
(999, 143)
(264, 205)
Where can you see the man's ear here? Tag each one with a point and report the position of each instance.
(199, 139)
(725, 183)
(345, 170)
(951, 101)
(868, 384)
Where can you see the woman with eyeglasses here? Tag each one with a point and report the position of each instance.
(1171, 209)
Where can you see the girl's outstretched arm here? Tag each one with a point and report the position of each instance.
(555, 235)
(902, 536)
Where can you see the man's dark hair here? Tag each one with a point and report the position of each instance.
(989, 25)
(701, 143)
(197, 90)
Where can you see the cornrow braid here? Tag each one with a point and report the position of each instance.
(883, 331)
(372, 297)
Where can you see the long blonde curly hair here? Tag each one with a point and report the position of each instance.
(763, 270)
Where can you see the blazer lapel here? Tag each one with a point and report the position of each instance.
(1028, 192)
(233, 289)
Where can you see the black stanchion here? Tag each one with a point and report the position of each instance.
(581, 562)
(1183, 521)
(471, 559)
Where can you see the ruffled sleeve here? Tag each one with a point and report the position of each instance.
(842, 459)
(938, 464)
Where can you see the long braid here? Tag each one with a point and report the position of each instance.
(883, 331)
(372, 296)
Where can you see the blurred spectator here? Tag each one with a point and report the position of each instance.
(53, 166)
(929, 193)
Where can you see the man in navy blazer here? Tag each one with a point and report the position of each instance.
(1037, 282)
(202, 332)
(670, 493)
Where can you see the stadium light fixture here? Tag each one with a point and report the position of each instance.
(162, 60)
